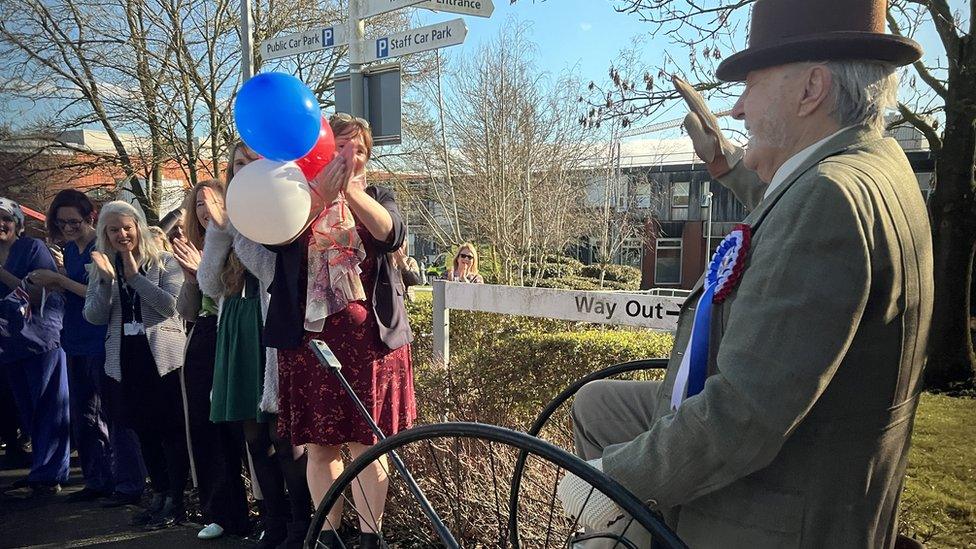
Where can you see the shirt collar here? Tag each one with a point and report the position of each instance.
(794, 162)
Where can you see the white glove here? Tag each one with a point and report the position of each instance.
(599, 512)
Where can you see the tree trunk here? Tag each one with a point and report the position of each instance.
(951, 362)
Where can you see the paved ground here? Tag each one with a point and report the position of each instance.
(56, 523)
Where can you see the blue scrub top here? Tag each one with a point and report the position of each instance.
(78, 336)
(19, 339)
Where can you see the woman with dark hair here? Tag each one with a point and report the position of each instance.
(217, 447)
(237, 272)
(31, 355)
(100, 442)
(337, 282)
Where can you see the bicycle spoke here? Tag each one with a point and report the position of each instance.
(552, 504)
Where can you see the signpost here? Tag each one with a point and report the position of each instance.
(477, 8)
(311, 40)
(377, 7)
(380, 90)
(618, 308)
(431, 37)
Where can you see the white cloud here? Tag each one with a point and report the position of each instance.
(585, 27)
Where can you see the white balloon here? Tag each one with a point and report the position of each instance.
(268, 201)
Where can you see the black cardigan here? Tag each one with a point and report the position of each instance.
(284, 327)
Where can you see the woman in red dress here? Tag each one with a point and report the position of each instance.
(336, 282)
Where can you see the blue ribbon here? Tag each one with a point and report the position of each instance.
(702, 327)
(698, 361)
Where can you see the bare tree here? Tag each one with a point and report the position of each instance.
(501, 156)
(940, 86)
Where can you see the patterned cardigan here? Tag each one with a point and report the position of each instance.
(157, 289)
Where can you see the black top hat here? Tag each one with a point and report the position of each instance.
(789, 31)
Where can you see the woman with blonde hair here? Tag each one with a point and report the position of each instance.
(132, 288)
(465, 266)
(237, 272)
(217, 447)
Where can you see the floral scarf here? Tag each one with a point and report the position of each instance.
(334, 255)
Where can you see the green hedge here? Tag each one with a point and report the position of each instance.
(505, 368)
(615, 273)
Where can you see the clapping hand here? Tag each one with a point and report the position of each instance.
(215, 208)
(58, 256)
(106, 272)
(187, 255)
(335, 177)
(46, 278)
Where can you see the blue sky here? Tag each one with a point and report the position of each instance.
(588, 34)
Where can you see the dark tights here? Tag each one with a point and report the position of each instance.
(277, 470)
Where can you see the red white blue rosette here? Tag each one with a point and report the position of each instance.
(723, 274)
(729, 261)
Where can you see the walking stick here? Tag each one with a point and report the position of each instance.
(328, 360)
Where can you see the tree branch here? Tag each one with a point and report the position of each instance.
(935, 142)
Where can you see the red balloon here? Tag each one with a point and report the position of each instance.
(321, 154)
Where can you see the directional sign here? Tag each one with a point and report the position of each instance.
(376, 7)
(431, 37)
(312, 40)
(478, 8)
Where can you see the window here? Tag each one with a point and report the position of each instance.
(679, 194)
(632, 252)
(667, 265)
(679, 200)
(642, 195)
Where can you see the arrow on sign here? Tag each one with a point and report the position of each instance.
(431, 37)
(376, 7)
(478, 8)
(312, 40)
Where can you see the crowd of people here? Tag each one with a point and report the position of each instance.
(154, 353)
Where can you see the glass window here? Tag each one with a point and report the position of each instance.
(679, 194)
(667, 266)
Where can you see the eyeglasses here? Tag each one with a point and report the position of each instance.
(466, 256)
(73, 223)
(345, 117)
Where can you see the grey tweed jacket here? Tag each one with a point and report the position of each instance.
(800, 437)
(158, 289)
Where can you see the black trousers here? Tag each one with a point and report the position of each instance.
(218, 448)
(152, 405)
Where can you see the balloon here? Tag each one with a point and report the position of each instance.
(321, 154)
(277, 116)
(269, 202)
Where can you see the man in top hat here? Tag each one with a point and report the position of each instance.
(785, 416)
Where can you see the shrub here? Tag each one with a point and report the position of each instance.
(507, 374)
(615, 273)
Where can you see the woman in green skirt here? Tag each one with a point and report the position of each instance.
(236, 271)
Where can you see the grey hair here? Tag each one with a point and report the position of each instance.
(862, 91)
(150, 252)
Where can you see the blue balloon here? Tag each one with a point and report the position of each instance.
(277, 116)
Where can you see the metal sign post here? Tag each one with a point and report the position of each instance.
(371, 98)
(477, 8)
(431, 37)
(303, 42)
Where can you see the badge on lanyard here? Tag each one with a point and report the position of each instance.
(133, 328)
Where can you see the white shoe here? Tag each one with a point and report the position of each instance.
(211, 531)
